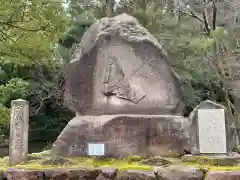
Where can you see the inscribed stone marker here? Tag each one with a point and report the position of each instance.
(18, 143)
(212, 131)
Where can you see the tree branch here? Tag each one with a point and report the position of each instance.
(20, 52)
(35, 112)
(191, 14)
(42, 28)
(214, 19)
(204, 14)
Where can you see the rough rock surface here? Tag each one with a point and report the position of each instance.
(120, 68)
(173, 172)
(193, 127)
(71, 174)
(223, 175)
(23, 174)
(178, 173)
(78, 174)
(107, 174)
(56, 161)
(124, 135)
(156, 161)
(136, 175)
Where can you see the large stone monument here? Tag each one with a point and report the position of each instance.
(126, 95)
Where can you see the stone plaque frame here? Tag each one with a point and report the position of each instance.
(207, 135)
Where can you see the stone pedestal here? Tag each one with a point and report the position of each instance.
(18, 143)
(124, 135)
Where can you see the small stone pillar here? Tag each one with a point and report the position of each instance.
(18, 142)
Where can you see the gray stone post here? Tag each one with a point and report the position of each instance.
(18, 142)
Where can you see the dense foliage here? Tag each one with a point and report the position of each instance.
(194, 33)
(201, 38)
(29, 67)
(38, 38)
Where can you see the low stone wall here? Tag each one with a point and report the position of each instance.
(44, 166)
(168, 173)
(76, 174)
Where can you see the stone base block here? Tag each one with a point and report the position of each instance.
(124, 135)
(178, 172)
(223, 175)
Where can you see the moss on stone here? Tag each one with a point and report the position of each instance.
(212, 163)
(131, 159)
(211, 160)
(156, 161)
(43, 161)
(213, 168)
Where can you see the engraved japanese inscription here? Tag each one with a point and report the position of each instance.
(212, 131)
(18, 147)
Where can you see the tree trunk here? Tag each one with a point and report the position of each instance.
(110, 8)
(237, 115)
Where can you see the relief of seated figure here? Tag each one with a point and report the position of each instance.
(112, 74)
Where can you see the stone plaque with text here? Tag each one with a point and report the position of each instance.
(18, 141)
(212, 131)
